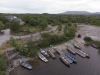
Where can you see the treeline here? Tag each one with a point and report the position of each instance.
(60, 19)
(3, 65)
(42, 20)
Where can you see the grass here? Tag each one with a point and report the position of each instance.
(7, 44)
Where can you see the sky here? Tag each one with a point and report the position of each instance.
(48, 6)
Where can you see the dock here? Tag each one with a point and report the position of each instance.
(58, 51)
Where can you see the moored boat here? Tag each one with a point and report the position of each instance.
(42, 57)
(94, 45)
(87, 55)
(71, 50)
(25, 64)
(80, 54)
(63, 59)
(51, 54)
(76, 46)
(71, 57)
(44, 53)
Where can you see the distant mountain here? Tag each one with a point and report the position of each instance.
(80, 13)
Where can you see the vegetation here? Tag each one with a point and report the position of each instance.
(27, 49)
(89, 40)
(1, 25)
(3, 65)
(14, 26)
(53, 39)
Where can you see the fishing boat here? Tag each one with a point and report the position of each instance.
(25, 64)
(71, 57)
(51, 54)
(63, 59)
(76, 46)
(42, 57)
(44, 53)
(87, 55)
(71, 50)
(94, 45)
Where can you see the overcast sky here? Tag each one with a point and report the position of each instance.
(48, 6)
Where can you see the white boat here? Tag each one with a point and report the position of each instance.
(44, 53)
(87, 55)
(25, 64)
(77, 46)
(42, 57)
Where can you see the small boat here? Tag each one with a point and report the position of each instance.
(71, 50)
(51, 54)
(80, 53)
(94, 45)
(25, 64)
(44, 53)
(76, 46)
(72, 58)
(63, 59)
(42, 57)
(87, 55)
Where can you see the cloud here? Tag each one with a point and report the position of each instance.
(47, 6)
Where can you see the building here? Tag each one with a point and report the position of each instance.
(11, 18)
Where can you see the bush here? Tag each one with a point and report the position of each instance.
(3, 65)
(87, 39)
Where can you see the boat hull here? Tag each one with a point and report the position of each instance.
(51, 54)
(94, 45)
(72, 58)
(25, 65)
(64, 61)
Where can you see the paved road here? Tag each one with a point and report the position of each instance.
(6, 36)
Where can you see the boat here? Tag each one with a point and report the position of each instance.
(80, 53)
(51, 54)
(72, 58)
(63, 59)
(42, 57)
(44, 53)
(71, 50)
(94, 45)
(25, 64)
(68, 59)
(87, 55)
(76, 46)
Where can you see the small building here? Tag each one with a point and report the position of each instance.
(11, 18)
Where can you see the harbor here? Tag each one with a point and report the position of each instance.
(84, 66)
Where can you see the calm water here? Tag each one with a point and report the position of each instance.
(84, 66)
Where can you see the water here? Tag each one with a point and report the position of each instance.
(84, 66)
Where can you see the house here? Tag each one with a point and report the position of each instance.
(11, 18)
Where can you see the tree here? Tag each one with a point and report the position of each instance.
(1, 26)
(43, 25)
(59, 27)
(14, 26)
(3, 65)
(26, 18)
(3, 19)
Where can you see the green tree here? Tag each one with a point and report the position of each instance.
(59, 27)
(14, 26)
(26, 18)
(3, 65)
(1, 26)
(43, 25)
